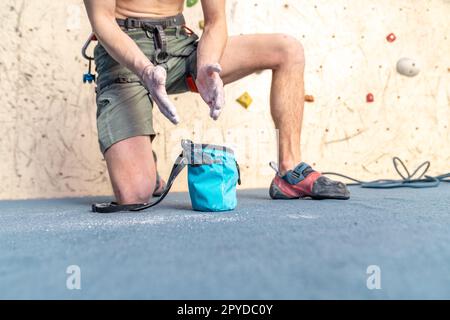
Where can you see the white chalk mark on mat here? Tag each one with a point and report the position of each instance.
(302, 216)
(111, 221)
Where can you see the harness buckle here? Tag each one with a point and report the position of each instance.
(148, 26)
(161, 56)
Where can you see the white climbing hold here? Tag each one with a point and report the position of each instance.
(408, 67)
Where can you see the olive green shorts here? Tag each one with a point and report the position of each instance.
(124, 107)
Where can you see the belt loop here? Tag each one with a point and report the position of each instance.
(177, 34)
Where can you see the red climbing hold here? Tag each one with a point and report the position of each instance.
(391, 37)
(370, 98)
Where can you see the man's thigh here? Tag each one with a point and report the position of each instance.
(125, 129)
(124, 110)
(247, 54)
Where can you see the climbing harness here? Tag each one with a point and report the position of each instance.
(155, 28)
(158, 30)
(408, 180)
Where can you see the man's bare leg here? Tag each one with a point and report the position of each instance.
(132, 170)
(285, 57)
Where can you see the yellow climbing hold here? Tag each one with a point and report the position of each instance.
(201, 24)
(245, 100)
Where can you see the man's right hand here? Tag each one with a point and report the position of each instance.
(154, 79)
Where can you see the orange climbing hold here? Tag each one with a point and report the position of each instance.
(309, 98)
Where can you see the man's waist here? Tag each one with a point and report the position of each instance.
(166, 22)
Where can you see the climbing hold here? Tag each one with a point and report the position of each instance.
(245, 100)
(407, 67)
(391, 37)
(370, 98)
(309, 98)
(201, 24)
(191, 3)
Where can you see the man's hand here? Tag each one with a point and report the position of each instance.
(210, 87)
(154, 79)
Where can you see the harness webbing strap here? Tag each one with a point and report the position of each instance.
(161, 55)
(132, 23)
(155, 26)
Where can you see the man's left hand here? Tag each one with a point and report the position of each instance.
(210, 87)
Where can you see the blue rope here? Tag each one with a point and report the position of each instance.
(407, 181)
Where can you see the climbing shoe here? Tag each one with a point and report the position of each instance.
(304, 182)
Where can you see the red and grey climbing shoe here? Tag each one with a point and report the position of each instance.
(160, 183)
(304, 182)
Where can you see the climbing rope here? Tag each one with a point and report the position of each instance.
(408, 180)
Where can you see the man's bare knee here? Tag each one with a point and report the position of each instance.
(135, 191)
(291, 52)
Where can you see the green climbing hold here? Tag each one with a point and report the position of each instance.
(191, 3)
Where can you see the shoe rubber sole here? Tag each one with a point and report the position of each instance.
(322, 191)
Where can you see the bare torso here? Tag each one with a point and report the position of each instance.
(148, 8)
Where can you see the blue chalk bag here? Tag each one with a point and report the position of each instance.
(213, 173)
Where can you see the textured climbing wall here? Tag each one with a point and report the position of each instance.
(48, 136)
